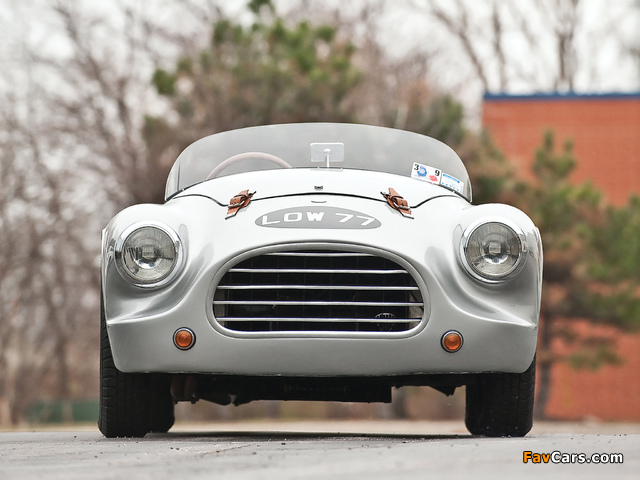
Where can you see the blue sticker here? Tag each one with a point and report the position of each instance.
(452, 182)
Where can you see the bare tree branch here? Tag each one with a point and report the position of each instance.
(459, 27)
(496, 23)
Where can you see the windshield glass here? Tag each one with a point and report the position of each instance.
(349, 146)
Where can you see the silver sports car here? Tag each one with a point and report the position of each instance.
(318, 262)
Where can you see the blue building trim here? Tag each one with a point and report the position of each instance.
(505, 97)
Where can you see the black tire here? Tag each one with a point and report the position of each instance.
(124, 397)
(501, 404)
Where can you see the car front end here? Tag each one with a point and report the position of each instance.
(323, 284)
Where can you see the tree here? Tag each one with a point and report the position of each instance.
(46, 259)
(591, 259)
(263, 73)
(559, 45)
(71, 154)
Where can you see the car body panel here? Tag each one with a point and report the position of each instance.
(498, 322)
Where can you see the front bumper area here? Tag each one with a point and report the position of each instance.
(489, 346)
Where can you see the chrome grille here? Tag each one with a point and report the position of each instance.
(318, 291)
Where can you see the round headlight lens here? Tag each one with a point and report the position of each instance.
(148, 255)
(493, 250)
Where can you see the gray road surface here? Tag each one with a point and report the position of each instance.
(316, 451)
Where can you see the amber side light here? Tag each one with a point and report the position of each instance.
(452, 341)
(184, 338)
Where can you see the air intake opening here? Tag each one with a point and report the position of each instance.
(318, 291)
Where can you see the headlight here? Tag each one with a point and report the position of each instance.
(148, 255)
(493, 251)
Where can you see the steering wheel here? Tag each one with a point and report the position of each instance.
(245, 156)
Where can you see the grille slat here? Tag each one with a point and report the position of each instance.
(293, 303)
(321, 271)
(318, 291)
(307, 319)
(313, 287)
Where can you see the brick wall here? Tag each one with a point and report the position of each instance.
(605, 130)
(611, 392)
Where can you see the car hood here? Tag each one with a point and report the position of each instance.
(317, 181)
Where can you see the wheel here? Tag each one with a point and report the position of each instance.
(124, 397)
(501, 404)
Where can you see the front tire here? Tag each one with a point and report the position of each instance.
(131, 404)
(501, 404)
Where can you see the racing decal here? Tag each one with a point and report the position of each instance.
(318, 217)
(452, 182)
(426, 173)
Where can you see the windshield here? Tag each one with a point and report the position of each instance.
(349, 146)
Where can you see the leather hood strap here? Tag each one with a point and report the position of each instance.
(397, 202)
(238, 202)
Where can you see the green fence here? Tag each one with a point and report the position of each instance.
(63, 411)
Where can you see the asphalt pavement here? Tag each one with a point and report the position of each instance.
(323, 450)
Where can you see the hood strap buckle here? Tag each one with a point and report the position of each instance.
(238, 202)
(397, 202)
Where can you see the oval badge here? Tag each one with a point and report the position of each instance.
(317, 217)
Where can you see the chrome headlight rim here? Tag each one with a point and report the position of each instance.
(513, 271)
(162, 281)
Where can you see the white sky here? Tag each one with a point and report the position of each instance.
(607, 28)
